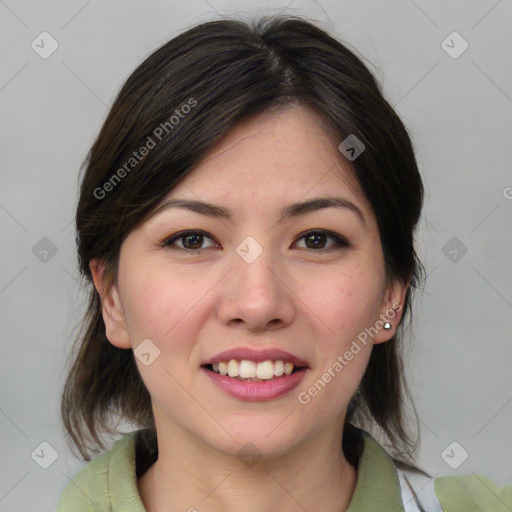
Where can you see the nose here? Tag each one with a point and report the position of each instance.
(257, 296)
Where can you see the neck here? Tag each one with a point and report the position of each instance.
(312, 476)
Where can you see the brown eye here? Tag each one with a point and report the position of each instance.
(191, 241)
(316, 240)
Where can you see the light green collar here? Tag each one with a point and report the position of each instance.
(377, 486)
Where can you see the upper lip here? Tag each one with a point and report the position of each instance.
(256, 355)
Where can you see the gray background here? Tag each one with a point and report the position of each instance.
(457, 109)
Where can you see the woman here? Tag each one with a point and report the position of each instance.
(247, 219)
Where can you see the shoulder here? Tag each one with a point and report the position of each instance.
(100, 481)
(468, 493)
(472, 492)
(394, 486)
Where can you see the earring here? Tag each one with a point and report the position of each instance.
(387, 326)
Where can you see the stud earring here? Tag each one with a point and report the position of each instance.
(387, 326)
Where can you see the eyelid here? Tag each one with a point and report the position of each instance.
(168, 241)
(340, 241)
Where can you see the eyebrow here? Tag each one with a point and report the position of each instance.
(292, 210)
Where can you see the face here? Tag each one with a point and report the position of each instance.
(308, 283)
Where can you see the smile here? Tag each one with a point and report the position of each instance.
(252, 370)
(254, 389)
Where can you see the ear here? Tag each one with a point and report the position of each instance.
(113, 316)
(391, 311)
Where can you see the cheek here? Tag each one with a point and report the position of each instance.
(157, 303)
(160, 307)
(349, 302)
(145, 305)
(347, 307)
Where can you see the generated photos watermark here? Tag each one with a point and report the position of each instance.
(304, 397)
(156, 136)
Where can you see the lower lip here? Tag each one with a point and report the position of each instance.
(256, 391)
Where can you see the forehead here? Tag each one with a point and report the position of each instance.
(277, 156)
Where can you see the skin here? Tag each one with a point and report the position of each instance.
(312, 302)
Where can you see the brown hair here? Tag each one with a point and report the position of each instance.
(229, 70)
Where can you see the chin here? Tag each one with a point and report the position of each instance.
(257, 440)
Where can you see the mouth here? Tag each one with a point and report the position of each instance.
(251, 371)
(245, 363)
(255, 375)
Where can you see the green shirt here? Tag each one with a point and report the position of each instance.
(109, 483)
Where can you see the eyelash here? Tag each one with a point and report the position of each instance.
(168, 242)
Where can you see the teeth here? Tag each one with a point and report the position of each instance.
(288, 368)
(233, 368)
(278, 368)
(265, 370)
(246, 369)
(223, 368)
